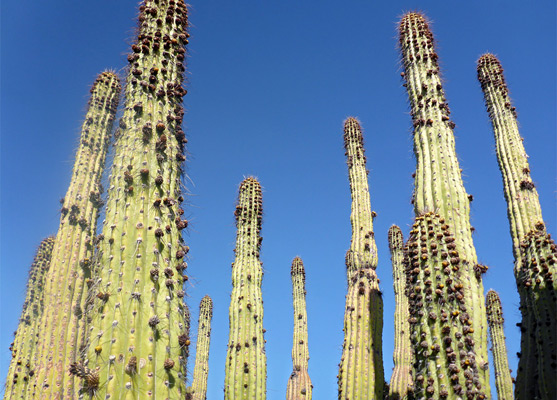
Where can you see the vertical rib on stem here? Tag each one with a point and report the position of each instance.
(201, 368)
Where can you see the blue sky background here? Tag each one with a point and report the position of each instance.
(270, 84)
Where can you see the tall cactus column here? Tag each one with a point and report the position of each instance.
(361, 367)
(22, 368)
(438, 182)
(61, 324)
(139, 332)
(299, 385)
(534, 251)
(201, 368)
(246, 362)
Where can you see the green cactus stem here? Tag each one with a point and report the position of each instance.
(445, 358)
(138, 338)
(21, 368)
(401, 379)
(299, 385)
(201, 368)
(503, 380)
(246, 363)
(533, 248)
(62, 322)
(361, 374)
(438, 181)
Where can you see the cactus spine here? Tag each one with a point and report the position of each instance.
(246, 364)
(361, 366)
(503, 381)
(138, 337)
(534, 251)
(22, 369)
(201, 369)
(62, 322)
(401, 378)
(299, 385)
(438, 182)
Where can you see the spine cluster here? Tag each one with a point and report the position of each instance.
(201, 368)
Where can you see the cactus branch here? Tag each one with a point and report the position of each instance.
(201, 368)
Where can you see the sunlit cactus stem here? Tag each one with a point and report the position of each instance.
(534, 250)
(246, 362)
(201, 368)
(139, 331)
(299, 385)
(503, 380)
(438, 181)
(22, 367)
(401, 378)
(361, 367)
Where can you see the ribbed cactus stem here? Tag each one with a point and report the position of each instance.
(361, 367)
(401, 378)
(62, 323)
(139, 334)
(299, 384)
(246, 363)
(22, 368)
(438, 181)
(201, 368)
(495, 320)
(534, 250)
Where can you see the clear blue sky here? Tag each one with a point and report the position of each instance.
(270, 84)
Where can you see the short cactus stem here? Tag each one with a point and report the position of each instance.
(361, 374)
(138, 338)
(246, 363)
(62, 322)
(495, 320)
(21, 368)
(201, 368)
(401, 378)
(438, 181)
(299, 385)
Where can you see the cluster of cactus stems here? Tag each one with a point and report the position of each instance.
(299, 385)
(22, 368)
(438, 181)
(246, 362)
(401, 378)
(534, 250)
(198, 388)
(361, 366)
(495, 320)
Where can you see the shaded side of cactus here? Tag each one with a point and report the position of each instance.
(138, 338)
(61, 324)
(495, 320)
(438, 181)
(401, 378)
(246, 362)
(361, 367)
(299, 385)
(21, 368)
(533, 247)
(201, 368)
(445, 356)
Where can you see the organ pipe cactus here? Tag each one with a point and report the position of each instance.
(246, 363)
(503, 380)
(62, 323)
(534, 250)
(438, 181)
(139, 332)
(201, 368)
(361, 366)
(22, 368)
(299, 385)
(401, 378)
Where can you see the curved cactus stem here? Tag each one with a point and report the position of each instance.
(361, 367)
(299, 385)
(201, 368)
(401, 378)
(246, 362)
